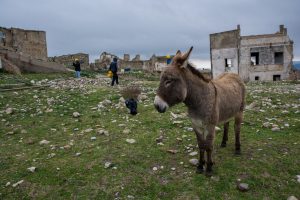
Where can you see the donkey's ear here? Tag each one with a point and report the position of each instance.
(178, 53)
(185, 58)
(187, 54)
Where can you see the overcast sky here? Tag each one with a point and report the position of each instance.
(147, 27)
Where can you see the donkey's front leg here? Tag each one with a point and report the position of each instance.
(201, 146)
(209, 148)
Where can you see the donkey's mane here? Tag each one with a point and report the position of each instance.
(197, 73)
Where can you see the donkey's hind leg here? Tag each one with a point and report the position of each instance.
(225, 134)
(237, 129)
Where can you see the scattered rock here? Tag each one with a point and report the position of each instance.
(173, 168)
(126, 131)
(194, 153)
(9, 111)
(76, 114)
(274, 129)
(93, 138)
(298, 178)
(88, 130)
(107, 165)
(44, 142)
(159, 139)
(77, 154)
(23, 131)
(172, 151)
(194, 162)
(31, 169)
(131, 141)
(7, 184)
(292, 198)
(154, 168)
(18, 183)
(217, 128)
(243, 187)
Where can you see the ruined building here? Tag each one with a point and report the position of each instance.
(27, 42)
(256, 57)
(68, 60)
(155, 63)
(25, 51)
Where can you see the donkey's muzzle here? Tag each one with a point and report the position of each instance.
(160, 105)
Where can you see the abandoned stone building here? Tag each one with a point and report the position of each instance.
(134, 64)
(256, 57)
(28, 42)
(68, 60)
(25, 51)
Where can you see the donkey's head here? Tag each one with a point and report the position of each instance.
(172, 88)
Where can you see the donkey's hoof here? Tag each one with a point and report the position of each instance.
(209, 173)
(223, 144)
(200, 170)
(237, 152)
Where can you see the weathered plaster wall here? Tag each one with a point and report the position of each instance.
(218, 60)
(28, 42)
(239, 48)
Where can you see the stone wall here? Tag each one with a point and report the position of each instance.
(68, 60)
(31, 43)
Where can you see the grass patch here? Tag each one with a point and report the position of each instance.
(269, 160)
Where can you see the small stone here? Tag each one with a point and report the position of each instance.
(159, 139)
(217, 128)
(126, 131)
(243, 187)
(130, 197)
(7, 184)
(18, 183)
(23, 131)
(107, 165)
(93, 138)
(88, 130)
(172, 151)
(9, 111)
(31, 169)
(77, 154)
(44, 142)
(131, 141)
(76, 114)
(194, 153)
(154, 168)
(274, 129)
(194, 161)
(173, 168)
(292, 198)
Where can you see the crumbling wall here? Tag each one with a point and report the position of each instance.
(68, 60)
(224, 52)
(28, 42)
(254, 57)
(266, 46)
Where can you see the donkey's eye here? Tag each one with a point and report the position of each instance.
(168, 82)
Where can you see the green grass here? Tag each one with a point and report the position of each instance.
(269, 160)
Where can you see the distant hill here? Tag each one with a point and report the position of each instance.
(296, 64)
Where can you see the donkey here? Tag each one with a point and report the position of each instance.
(209, 103)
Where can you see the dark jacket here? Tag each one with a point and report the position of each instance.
(77, 66)
(113, 67)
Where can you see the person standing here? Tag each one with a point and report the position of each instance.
(76, 65)
(114, 69)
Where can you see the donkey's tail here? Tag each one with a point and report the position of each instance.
(243, 97)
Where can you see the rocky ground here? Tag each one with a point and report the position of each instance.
(75, 139)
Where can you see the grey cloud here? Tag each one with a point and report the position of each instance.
(146, 26)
